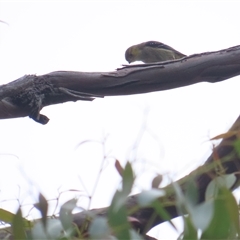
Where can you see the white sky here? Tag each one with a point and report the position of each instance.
(46, 36)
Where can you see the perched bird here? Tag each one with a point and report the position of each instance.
(149, 52)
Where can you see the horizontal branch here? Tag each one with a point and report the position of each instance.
(27, 95)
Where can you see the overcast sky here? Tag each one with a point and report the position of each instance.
(175, 125)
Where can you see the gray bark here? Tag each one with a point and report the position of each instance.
(27, 95)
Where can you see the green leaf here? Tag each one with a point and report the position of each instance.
(65, 215)
(118, 222)
(117, 212)
(127, 179)
(53, 230)
(99, 228)
(160, 210)
(226, 181)
(145, 198)
(181, 200)
(119, 199)
(135, 236)
(8, 217)
(225, 221)
(190, 233)
(236, 145)
(191, 194)
(202, 214)
(42, 206)
(18, 226)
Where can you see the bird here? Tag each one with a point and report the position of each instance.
(151, 51)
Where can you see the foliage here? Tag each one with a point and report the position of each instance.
(215, 218)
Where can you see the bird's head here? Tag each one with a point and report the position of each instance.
(132, 54)
(151, 51)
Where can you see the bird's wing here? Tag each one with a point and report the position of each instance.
(155, 44)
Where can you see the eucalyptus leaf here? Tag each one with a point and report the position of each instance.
(225, 221)
(120, 197)
(117, 212)
(99, 228)
(65, 215)
(191, 194)
(117, 216)
(236, 146)
(161, 211)
(119, 200)
(18, 226)
(135, 236)
(226, 181)
(118, 222)
(202, 214)
(53, 230)
(181, 202)
(145, 198)
(127, 179)
(190, 232)
(8, 217)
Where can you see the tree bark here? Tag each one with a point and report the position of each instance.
(27, 95)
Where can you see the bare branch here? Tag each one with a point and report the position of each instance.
(27, 95)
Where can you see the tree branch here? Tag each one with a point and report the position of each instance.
(27, 95)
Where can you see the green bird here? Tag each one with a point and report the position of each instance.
(152, 51)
